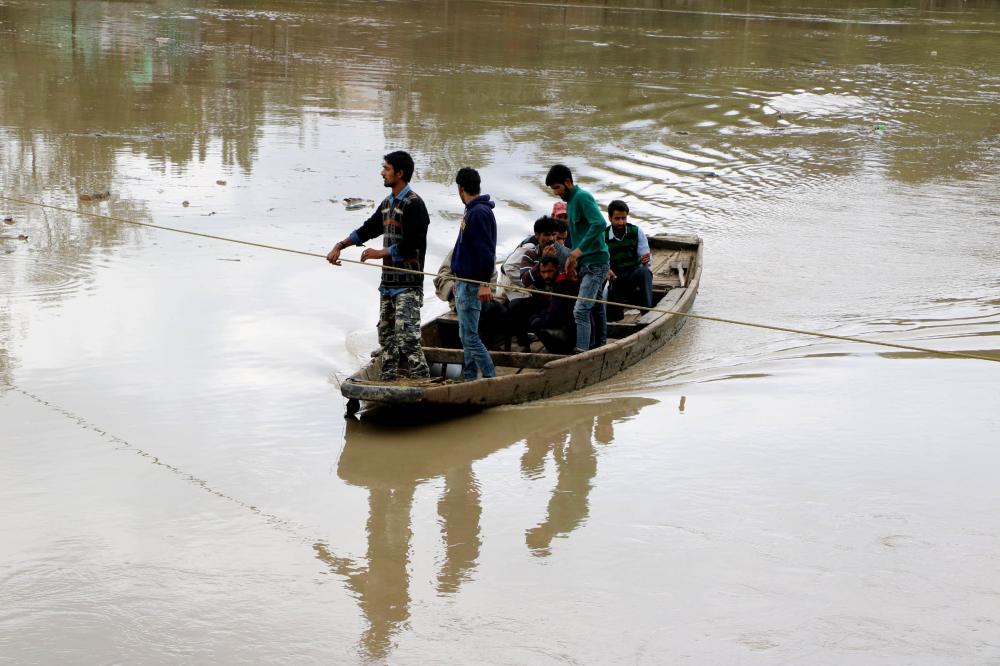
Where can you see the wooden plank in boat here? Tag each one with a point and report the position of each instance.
(509, 359)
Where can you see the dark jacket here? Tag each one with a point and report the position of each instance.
(475, 250)
(403, 228)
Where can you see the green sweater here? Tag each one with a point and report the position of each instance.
(587, 228)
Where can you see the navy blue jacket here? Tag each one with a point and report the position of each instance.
(476, 248)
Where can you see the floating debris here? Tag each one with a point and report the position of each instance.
(22, 237)
(9, 219)
(220, 182)
(356, 203)
(97, 196)
(185, 203)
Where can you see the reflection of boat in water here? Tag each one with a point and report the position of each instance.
(522, 377)
(392, 463)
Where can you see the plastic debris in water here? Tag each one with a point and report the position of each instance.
(355, 203)
(9, 219)
(185, 203)
(879, 127)
(220, 182)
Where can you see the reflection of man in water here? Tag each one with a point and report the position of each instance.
(382, 587)
(380, 580)
(576, 463)
(460, 509)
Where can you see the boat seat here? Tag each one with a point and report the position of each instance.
(625, 326)
(446, 331)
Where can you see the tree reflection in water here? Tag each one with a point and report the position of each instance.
(391, 463)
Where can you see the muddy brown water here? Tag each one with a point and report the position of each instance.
(179, 485)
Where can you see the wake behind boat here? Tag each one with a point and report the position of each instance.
(524, 376)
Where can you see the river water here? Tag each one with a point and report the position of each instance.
(179, 484)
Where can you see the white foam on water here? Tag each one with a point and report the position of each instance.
(814, 104)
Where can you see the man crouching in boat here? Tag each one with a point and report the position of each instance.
(402, 220)
(472, 259)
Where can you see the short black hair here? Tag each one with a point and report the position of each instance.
(618, 205)
(549, 259)
(468, 179)
(558, 175)
(400, 160)
(561, 225)
(546, 223)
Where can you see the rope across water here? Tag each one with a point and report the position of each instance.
(722, 320)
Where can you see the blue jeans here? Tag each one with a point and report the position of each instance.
(592, 279)
(468, 307)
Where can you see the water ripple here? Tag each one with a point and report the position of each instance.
(38, 279)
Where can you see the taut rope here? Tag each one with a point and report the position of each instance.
(722, 320)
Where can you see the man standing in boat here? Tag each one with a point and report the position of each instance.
(589, 257)
(402, 220)
(473, 258)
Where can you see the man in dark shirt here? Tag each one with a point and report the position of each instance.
(518, 270)
(472, 259)
(552, 318)
(402, 220)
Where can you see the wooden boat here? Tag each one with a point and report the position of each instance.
(521, 377)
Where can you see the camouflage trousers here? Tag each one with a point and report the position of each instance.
(399, 334)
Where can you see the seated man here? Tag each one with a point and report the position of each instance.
(517, 272)
(559, 212)
(630, 280)
(552, 320)
(562, 234)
